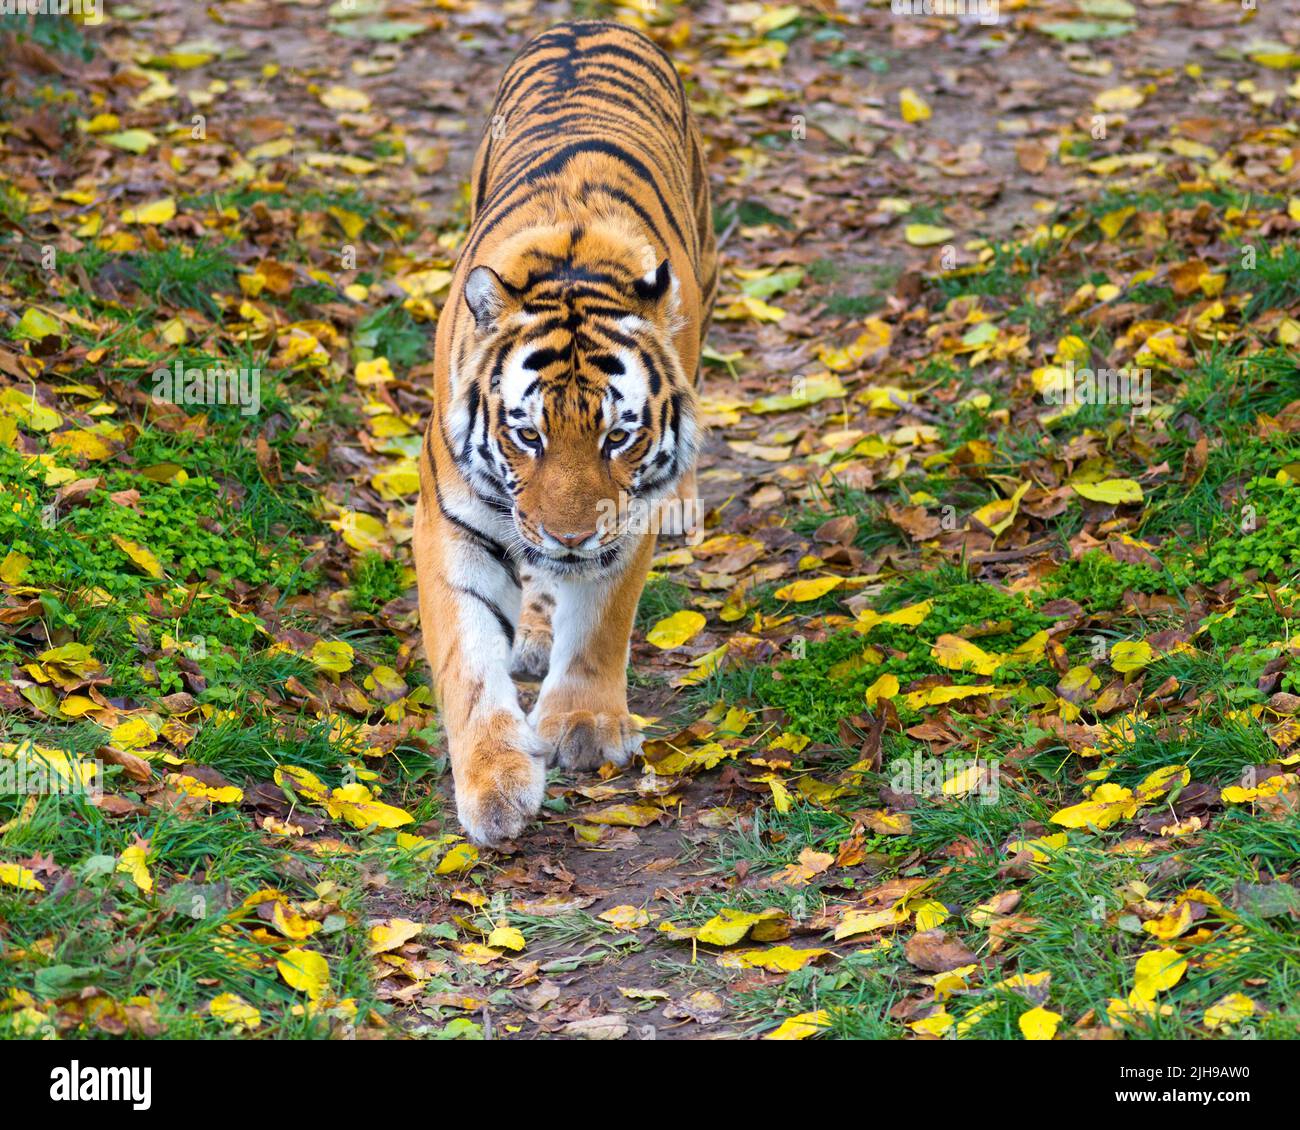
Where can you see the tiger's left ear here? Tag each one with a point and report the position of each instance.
(486, 295)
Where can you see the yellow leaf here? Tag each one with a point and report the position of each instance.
(747, 307)
(376, 371)
(134, 733)
(345, 98)
(232, 1009)
(421, 846)
(132, 140)
(728, 926)
(100, 123)
(809, 390)
(1109, 804)
(143, 558)
(1040, 848)
(780, 794)
(937, 696)
(675, 630)
(908, 617)
(936, 1024)
(305, 970)
(478, 954)
(351, 223)
(133, 862)
(1231, 1009)
(155, 212)
(1158, 970)
(36, 325)
(801, 1027)
(997, 515)
(884, 687)
(810, 589)
(332, 655)
(354, 803)
(1113, 491)
(778, 959)
(1128, 655)
(303, 782)
(20, 877)
(290, 924)
(1171, 925)
(929, 914)
(1039, 1023)
(88, 445)
(1239, 794)
(459, 859)
(226, 794)
(863, 922)
(626, 917)
(506, 937)
(958, 654)
(1077, 684)
(966, 781)
(704, 666)
(360, 531)
(1119, 98)
(624, 815)
(926, 235)
(1156, 784)
(393, 934)
(397, 481)
(270, 150)
(912, 106)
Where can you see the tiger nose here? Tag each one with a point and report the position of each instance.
(572, 541)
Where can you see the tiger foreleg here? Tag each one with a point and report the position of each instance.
(581, 711)
(532, 651)
(469, 602)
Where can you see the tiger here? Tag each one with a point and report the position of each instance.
(566, 363)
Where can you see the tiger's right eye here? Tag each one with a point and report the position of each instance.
(529, 437)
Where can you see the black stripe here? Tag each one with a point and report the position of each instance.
(485, 542)
(501, 618)
(554, 165)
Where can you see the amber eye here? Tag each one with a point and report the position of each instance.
(615, 439)
(529, 437)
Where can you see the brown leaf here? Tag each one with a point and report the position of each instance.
(935, 952)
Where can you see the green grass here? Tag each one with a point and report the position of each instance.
(660, 598)
(156, 959)
(376, 580)
(1235, 527)
(185, 274)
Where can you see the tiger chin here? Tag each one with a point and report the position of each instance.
(565, 411)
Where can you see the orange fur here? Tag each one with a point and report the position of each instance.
(565, 367)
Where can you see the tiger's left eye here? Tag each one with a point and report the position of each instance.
(615, 438)
(529, 437)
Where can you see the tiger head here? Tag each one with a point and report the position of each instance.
(573, 407)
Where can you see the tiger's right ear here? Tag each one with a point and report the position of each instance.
(486, 295)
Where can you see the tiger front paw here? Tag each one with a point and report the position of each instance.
(502, 786)
(585, 739)
(531, 656)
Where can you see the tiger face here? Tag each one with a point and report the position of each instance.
(575, 411)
